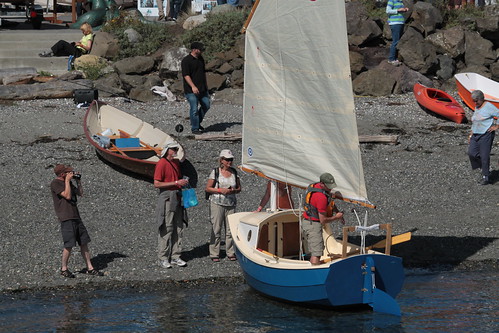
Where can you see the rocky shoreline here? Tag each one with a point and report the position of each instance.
(424, 184)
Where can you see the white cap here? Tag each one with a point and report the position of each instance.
(169, 145)
(226, 153)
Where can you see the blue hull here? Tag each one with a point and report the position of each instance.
(345, 282)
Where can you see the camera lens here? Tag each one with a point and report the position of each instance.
(77, 176)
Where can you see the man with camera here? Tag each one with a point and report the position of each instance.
(64, 194)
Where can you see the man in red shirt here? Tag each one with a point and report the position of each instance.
(315, 216)
(168, 179)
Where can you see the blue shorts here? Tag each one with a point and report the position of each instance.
(74, 231)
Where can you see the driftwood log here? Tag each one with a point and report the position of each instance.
(52, 89)
(386, 139)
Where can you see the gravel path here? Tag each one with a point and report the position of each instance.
(424, 184)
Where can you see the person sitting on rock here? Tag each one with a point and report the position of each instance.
(63, 48)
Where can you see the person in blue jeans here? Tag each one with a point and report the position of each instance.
(195, 86)
(481, 138)
(396, 20)
(175, 7)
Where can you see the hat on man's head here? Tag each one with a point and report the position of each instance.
(60, 168)
(169, 145)
(328, 180)
(226, 153)
(197, 45)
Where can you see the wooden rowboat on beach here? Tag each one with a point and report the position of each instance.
(468, 82)
(125, 140)
(439, 102)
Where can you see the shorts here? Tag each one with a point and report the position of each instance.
(312, 236)
(74, 231)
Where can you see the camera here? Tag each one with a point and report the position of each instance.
(76, 175)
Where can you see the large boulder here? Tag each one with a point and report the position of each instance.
(425, 18)
(109, 86)
(370, 83)
(193, 21)
(360, 27)
(172, 59)
(135, 65)
(105, 45)
(450, 41)
(478, 50)
(418, 54)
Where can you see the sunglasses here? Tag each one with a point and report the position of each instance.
(228, 159)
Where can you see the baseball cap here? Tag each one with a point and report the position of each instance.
(169, 145)
(197, 45)
(328, 180)
(226, 153)
(60, 168)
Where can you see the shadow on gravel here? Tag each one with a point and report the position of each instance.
(221, 127)
(124, 171)
(201, 251)
(423, 251)
(101, 261)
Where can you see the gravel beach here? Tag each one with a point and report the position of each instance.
(424, 184)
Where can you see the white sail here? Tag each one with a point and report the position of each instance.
(299, 118)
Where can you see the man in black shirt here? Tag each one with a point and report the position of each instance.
(195, 86)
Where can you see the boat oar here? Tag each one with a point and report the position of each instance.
(382, 244)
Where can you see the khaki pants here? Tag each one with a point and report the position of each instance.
(218, 216)
(170, 228)
(312, 237)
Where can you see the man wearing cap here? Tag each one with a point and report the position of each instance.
(64, 195)
(195, 86)
(169, 214)
(318, 198)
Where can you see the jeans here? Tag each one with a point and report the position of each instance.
(479, 152)
(197, 115)
(396, 34)
(175, 7)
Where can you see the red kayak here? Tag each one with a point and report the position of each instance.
(439, 102)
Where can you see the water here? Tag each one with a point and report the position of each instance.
(430, 302)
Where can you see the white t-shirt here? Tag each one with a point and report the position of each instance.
(223, 182)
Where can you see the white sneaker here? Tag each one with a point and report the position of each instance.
(165, 264)
(179, 262)
(394, 62)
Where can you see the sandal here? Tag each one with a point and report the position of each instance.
(67, 274)
(232, 258)
(94, 272)
(215, 259)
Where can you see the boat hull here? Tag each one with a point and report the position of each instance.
(100, 116)
(267, 246)
(468, 82)
(340, 284)
(439, 102)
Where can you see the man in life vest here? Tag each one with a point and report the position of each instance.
(317, 200)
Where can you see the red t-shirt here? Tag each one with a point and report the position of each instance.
(319, 201)
(167, 171)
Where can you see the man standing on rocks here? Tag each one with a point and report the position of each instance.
(482, 135)
(396, 20)
(64, 195)
(195, 86)
(169, 213)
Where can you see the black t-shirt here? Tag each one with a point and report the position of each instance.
(194, 67)
(64, 209)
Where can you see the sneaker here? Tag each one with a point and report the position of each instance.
(45, 54)
(161, 17)
(165, 264)
(174, 19)
(197, 132)
(394, 62)
(179, 262)
(484, 181)
(201, 128)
